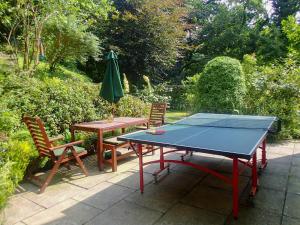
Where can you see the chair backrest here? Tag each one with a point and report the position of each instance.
(157, 114)
(39, 135)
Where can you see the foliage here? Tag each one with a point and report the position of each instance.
(274, 90)
(228, 28)
(190, 87)
(7, 185)
(68, 40)
(292, 31)
(153, 26)
(59, 103)
(14, 159)
(271, 44)
(24, 22)
(221, 87)
(132, 106)
(158, 93)
(283, 9)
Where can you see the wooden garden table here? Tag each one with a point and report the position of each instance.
(102, 126)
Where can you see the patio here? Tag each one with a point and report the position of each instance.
(185, 196)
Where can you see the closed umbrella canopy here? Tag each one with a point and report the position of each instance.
(111, 89)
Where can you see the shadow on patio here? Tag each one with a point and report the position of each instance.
(185, 196)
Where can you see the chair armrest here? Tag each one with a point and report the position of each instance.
(67, 145)
(57, 138)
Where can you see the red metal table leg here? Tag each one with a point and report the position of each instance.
(254, 175)
(263, 155)
(140, 151)
(235, 187)
(162, 165)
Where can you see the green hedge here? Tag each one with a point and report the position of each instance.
(221, 86)
(60, 102)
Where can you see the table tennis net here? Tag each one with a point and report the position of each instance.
(227, 123)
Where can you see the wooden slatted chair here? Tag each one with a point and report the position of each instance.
(60, 155)
(156, 117)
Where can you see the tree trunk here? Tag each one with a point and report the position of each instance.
(26, 45)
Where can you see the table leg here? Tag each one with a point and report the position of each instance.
(263, 155)
(235, 187)
(123, 130)
(162, 165)
(100, 150)
(140, 152)
(254, 175)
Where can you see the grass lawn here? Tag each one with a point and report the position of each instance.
(172, 116)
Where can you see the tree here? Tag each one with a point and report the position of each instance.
(271, 44)
(25, 21)
(283, 9)
(68, 40)
(148, 38)
(292, 32)
(228, 28)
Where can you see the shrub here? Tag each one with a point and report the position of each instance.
(132, 106)
(158, 93)
(275, 90)
(7, 185)
(221, 86)
(14, 159)
(59, 103)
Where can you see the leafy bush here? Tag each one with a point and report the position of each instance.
(221, 86)
(59, 103)
(7, 185)
(132, 106)
(14, 159)
(275, 90)
(158, 93)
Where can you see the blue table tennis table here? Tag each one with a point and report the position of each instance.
(237, 137)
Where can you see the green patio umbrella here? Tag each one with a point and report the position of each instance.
(111, 89)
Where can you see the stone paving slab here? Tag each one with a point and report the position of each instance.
(67, 212)
(95, 177)
(274, 158)
(103, 195)
(20, 208)
(183, 214)
(282, 144)
(292, 205)
(277, 169)
(294, 185)
(269, 200)
(211, 181)
(53, 194)
(255, 216)
(213, 199)
(125, 213)
(157, 197)
(281, 150)
(278, 182)
(290, 221)
(295, 171)
(131, 179)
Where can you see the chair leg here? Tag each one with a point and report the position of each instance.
(80, 163)
(52, 172)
